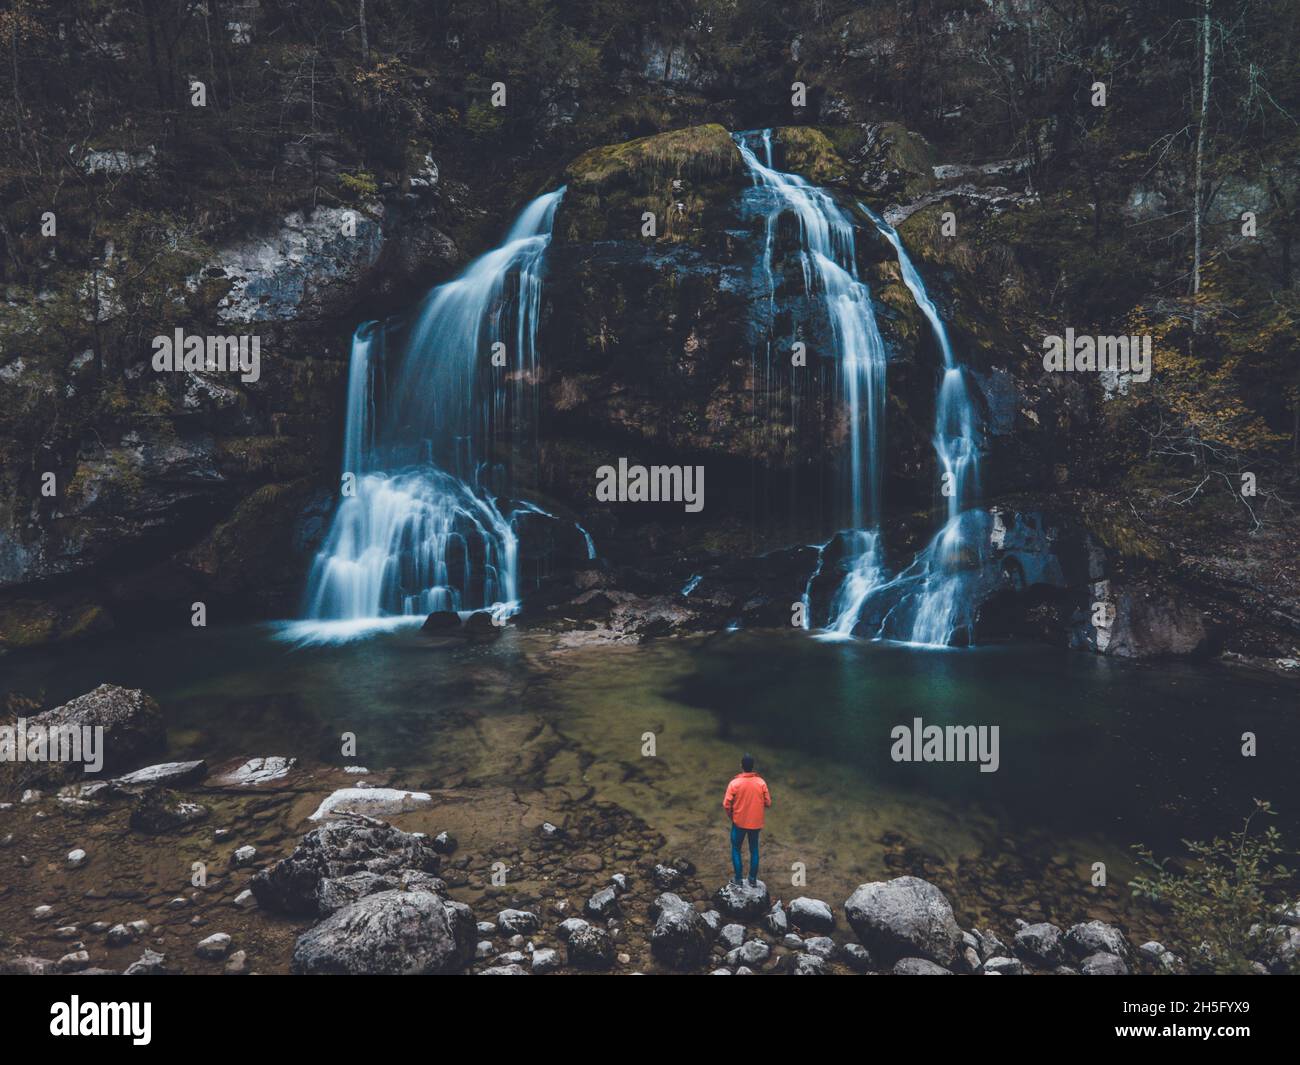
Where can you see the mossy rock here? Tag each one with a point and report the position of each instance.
(700, 152)
(809, 152)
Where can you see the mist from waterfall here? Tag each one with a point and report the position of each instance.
(420, 526)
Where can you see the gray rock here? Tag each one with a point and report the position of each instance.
(244, 855)
(752, 953)
(742, 901)
(120, 935)
(214, 948)
(333, 893)
(338, 848)
(1103, 964)
(731, 936)
(170, 774)
(821, 946)
(713, 919)
(1095, 937)
(150, 963)
(919, 967)
(72, 962)
(808, 965)
(1041, 944)
(445, 843)
(237, 963)
(1005, 966)
(569, 926)
(504, 970)
(603, 904)
(619, 883)
(904, 917)
(666, 878)
(392, 933)
(775, 920)
(257, 771)
(590, 948)
(545, 960)
(988, 945)
(486, 928)
(858, 957)
(518, 922)
(132, 723)
(680, 938)
(811, 915)
(373, 802)
(791, 941)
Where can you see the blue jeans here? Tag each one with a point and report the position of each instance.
(738, 835)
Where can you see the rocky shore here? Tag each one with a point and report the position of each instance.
(265, 865)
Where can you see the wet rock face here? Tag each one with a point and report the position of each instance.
(352, 845)
(389, 933)
(905, 917)
(680, 344)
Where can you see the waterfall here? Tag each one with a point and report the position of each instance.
(933, 600)
(420, 527)
(828, 263)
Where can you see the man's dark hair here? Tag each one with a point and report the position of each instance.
(747, 763)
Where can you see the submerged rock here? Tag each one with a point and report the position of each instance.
(904, 917)
(159, 812)
(389, 933)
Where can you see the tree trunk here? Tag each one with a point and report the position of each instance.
(1198, 206)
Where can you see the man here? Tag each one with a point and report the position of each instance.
(746, 799)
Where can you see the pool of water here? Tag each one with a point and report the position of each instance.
(1094, 755)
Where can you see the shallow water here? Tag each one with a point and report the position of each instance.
(1095, 754)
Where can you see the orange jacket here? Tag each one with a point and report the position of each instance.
(746, 799)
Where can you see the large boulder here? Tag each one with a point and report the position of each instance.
(904, 917)
(680, 939)
(389, 933)
(354, 844)
(133, 727)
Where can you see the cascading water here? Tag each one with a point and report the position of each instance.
(933, 599)
(828, 262)
(422, 529)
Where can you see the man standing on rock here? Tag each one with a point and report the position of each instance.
(746, 799)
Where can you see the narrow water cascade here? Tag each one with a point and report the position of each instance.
(420, 526)
(931, 602)
(828, 263)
